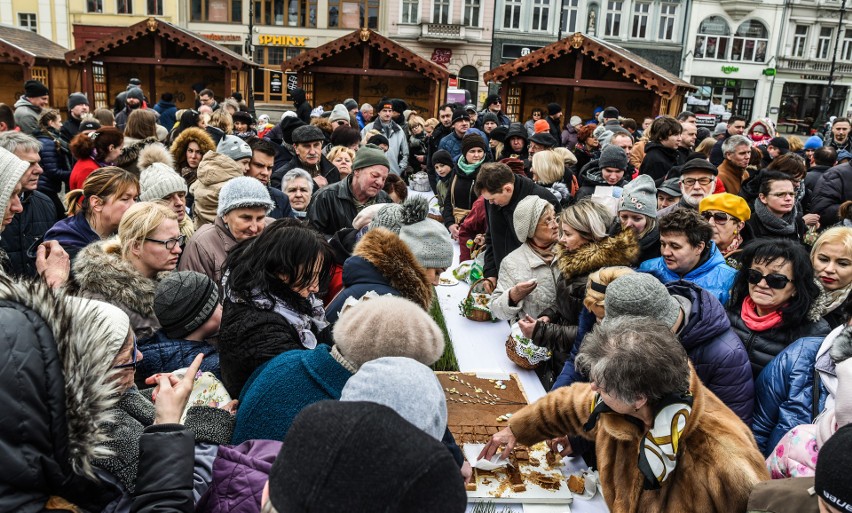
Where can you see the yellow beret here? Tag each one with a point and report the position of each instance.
(728, 203)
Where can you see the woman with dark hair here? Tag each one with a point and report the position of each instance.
(776, 213)
(535, 115)
(461, 194)
(140, 131)
(588, 148)
(190, 118)
(661, 151)
(95, 150)
(269, 303)
(773, 299)
(396, 188)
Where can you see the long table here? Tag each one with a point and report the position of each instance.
(480, 347)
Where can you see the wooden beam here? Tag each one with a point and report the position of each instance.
(571, 82)
(336, 70)
(655, 109)
(365, 60)
(578, 65)
(162, 62)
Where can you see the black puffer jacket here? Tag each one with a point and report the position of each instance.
(326, 169)
(303, 108)
(333, 207)
(658, 161)
(831, 191)
(55, 161)
(25, 229)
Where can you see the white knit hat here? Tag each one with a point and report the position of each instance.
(158, 178)
(234, 147)
(339, 112)
(11, 170)
(243, 192)
(526, 216)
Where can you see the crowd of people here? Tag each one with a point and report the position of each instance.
(206, 311)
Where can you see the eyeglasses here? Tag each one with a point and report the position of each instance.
(132, 363)
(717, 217)
(774, 280)
(689, 182)
(171, 243)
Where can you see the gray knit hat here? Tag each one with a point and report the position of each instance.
(350, 103)
(641, 295)
(243, 192)
(11, 170)
(427, 239)
(526, 216)
(613, 156)
(308, 133)
(234, 147)
(640, 196)
(339, 112)
(404, 385)
(367, 331)
(184, 301)
(158, 179)
(370, 155)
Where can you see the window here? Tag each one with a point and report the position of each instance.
(27, 21)
(155, 7)
(100, 85)
(221, 11)
(471, 13)
(847, 45)
(469, 79)
(750, 42)
(713, 39)
(800, 40)
(641, 10)
(824, 45)
(274, 55)
(613, 18)
(94, 5)
(410, 11)
(541, 11)
(668, 16)
(512, 14)
(440, 11)
(124, 6)
(570, 11)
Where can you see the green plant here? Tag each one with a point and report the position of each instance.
(447, 361)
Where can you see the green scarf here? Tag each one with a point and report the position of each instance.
(468, 169)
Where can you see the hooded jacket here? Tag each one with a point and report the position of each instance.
(130, 153)
(717, 354)
(167, 111)
(713, 274)
(214, 171)
(832, 190)
(333, 207)
(381, 262)
(100, 273)
(26, 228)
(303, 108)
(516, 130)
(55, 395)
(591, 177)
(717, 466)
(26, 116)
(180, 145)
(73, 234)
(658, 161)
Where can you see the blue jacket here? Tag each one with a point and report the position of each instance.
(569, 374)
(163, 354)
(280, 388)
(714, 275)
(359, 277)
(282, 207)
(716, 352)
(73, 234)
(785, 393)
(167, 111)
(55, 161)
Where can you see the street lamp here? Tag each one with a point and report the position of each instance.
(829, 90)
(250, 55)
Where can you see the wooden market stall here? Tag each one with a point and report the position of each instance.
(369, 67)
(25, 55)
(165, 57)
(581, 72)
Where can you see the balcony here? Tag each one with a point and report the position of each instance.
(443, 32)
(738, 9)
(802, 64)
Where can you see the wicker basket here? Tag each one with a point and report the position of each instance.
(525, 355)
(466, 307)
(523, 363)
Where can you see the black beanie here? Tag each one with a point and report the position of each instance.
(442, 157)
(378, 139)
(500, 133)
(184, 300)
(831, 479)
(362, 456)
(470, 141)
(289, 124)
(35, 89)
(553, 108)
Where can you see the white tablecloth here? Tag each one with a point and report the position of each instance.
(481, 347)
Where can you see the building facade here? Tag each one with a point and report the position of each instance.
(455, 34)
(47, 18)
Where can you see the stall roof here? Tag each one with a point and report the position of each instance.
(21, 46)
(207, 49)
(627, 63)
(373, 39)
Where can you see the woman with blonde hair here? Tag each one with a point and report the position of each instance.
(831, 256)
(705, 146)
(124, 270)
(342, 158)
(222, 120)
(95, 211)
(548, 169)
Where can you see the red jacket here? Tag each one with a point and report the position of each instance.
(473, 225)
(82, 169)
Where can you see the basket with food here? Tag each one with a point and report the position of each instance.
(476, 306)
(523, 352)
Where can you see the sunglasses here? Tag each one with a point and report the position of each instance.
(718, 217)
(132, 364)
(774, 280)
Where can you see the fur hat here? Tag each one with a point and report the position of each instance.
(527, 215)
(471, 141)
(243, 192)
(75, 99)
(541, 126)
(387, 326)
(641, 295)
(243, 117)
(727, 203)
(158, 178)
(613, 156)
(442, 157)
(339, 113)
(427, 239)
(184, 301)
(234, 147)
(11, 170)
(309, 133)
(35, 89)
(553, 109)
(370, 155)
(639, 196)
(117, 323)
(404, 385)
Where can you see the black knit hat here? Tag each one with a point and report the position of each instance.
(544, 139)
(378, 139)
(184, 300)
(35, 89)
(442, 157)
(500, 133)
(289, 124)
(490, 100)
(362, 456)
(780, 143)
(471, 141)
(460, 114)
(490, 116)
(831, 479)
(553, 108)
(610, 113)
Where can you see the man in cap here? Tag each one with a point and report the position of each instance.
(334, 207)
(307, 148)
(697, 181)
(554, 120)
(453, 141)
(668, 193)
(610, 117)
(473, 115)
(494, 104)
(777, 146)
(397, 142)
(134, 100)
(29, 106)
(78, 106)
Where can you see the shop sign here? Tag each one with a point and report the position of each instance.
(769, 72)
(454, 82)
(729, 69)
(222, 37)
(705, 120)
(516, 51)
(292, 81)
(813, 77)
(275, 82)
(442, 56)
(269, 40)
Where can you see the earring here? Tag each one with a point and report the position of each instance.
(735, 232)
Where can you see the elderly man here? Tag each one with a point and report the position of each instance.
(307, 146)
(28, 107)
(732, 170)
(736, 126)
(397, 142)
(697, 181)
(334, 207)
(365, 115)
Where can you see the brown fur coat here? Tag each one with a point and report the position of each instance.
(717, 467)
